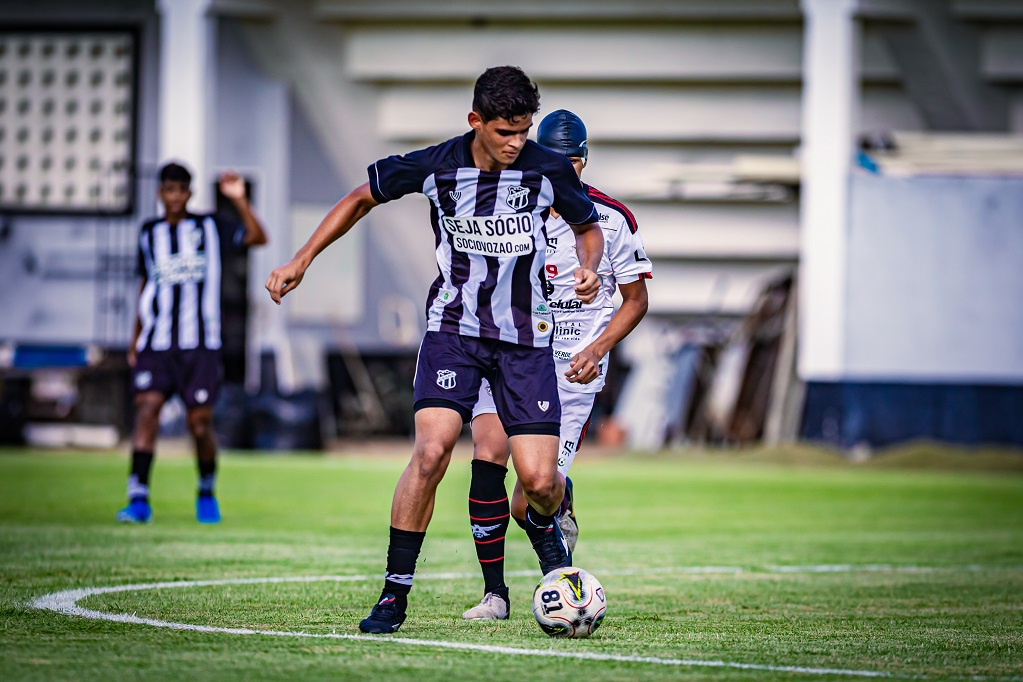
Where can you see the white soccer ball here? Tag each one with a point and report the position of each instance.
(569, 602)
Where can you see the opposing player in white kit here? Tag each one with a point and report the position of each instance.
(584, 334)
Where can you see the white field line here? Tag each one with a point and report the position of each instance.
(66, 603)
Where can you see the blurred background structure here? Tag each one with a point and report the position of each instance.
(831, 191)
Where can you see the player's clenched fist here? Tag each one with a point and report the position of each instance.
(283, 280)
(587, 285)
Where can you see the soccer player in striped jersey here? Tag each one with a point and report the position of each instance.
(490, 192)
(584, 334)
(175, 345)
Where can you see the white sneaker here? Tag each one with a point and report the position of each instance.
(493, 607)
(570, 529)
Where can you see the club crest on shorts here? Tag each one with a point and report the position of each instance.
(201, 396)
(144, 380)
(446, 379)
(543, 405)
(518, 197)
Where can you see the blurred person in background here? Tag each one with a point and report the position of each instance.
(487, 316)
(175, 345)
(584, 334)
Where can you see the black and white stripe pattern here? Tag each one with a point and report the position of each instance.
(490, 278)
(179, 306)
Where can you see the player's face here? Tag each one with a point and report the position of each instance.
(578, 163)
(498, 142)
(174, 195)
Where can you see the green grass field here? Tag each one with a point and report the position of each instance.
(739, 565)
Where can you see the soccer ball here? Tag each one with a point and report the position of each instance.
(569, 602)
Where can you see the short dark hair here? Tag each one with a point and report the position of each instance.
(175, 172)
(505, 92)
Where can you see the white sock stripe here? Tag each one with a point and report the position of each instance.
(136, 489)
(399, 578)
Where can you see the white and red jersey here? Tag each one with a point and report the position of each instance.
(577, 324)
(488, 233)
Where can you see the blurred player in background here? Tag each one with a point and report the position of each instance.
(584, 334)
(487, 315)
(175, 345)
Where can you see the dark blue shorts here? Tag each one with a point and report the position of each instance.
(451, 367)
(195, 375)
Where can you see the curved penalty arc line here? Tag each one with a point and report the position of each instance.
(66, 603)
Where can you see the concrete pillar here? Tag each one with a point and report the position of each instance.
(831, 104)
(186, 85)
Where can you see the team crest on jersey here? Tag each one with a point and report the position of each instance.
(446, 379)
(455, 196)
(543, 405)
(518, 197)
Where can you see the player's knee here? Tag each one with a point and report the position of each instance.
(147, 410)
(200, 426)
(490, 452)
(540, 487)
(430, 459)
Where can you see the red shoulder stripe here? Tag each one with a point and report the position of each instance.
(598, 197)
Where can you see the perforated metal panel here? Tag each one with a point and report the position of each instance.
(67, 120)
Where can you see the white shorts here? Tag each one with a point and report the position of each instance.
(576, 409)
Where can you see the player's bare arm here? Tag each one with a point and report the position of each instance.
(589, 247)
(583, 365)
(338, 221)
(136, 329)
(232, 186)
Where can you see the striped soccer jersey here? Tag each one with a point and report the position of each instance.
(624, 261)
(488, 233)
(180, 265)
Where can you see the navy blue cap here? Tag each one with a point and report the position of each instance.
(563, 132)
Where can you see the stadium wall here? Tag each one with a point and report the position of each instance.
(934, 329)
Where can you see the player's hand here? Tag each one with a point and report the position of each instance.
(584, 367)
(587, 285)
(232, 185)
(283, 280)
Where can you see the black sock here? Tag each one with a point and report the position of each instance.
(402, 553)
(489, 511)
(207, 476)
(536, 524)
(138, 480)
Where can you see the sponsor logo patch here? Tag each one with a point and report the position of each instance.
(510, 234)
